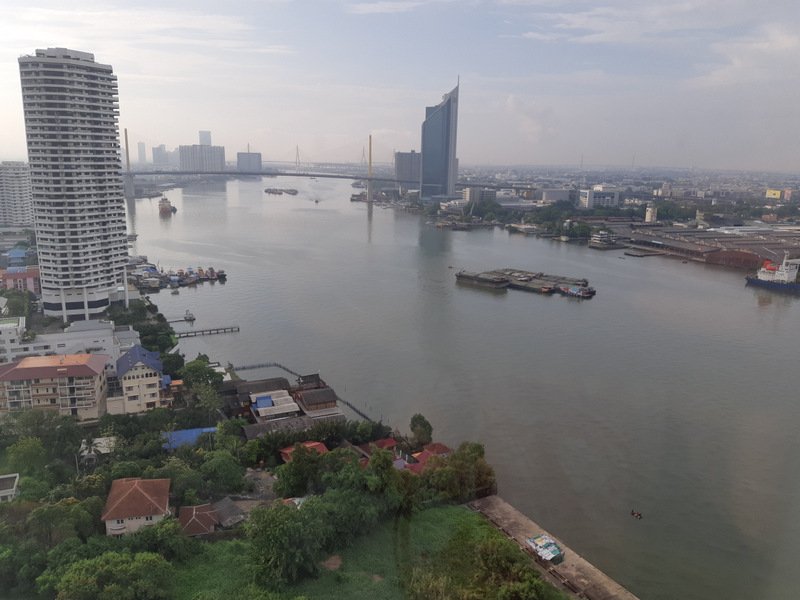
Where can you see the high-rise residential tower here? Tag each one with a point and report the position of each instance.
(71, 110)
(205, 138)
(142, 153)
(439, 163)
(16, 208)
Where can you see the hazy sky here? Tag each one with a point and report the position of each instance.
(704, 83)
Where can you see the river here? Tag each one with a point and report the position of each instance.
(671, 392)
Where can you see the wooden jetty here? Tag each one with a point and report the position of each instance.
(575, 574)
(210, 331)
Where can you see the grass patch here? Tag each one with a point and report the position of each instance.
(375, 566)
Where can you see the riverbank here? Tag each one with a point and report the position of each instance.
(575, 575)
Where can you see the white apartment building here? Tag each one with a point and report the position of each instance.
(81, 337)
(71, 110)
(201, 158)
(16, 206)
(598, 198)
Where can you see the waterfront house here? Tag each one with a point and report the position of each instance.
(198, 520)
(139, 373)
(134, 503)
(8, 487)
(319, 403)
(277, 404)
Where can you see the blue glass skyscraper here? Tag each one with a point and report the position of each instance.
(439, 163)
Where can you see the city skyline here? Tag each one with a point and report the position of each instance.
(700, 84)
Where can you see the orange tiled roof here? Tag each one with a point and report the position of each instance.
(134, 497)
(197, 520)
(57, 366)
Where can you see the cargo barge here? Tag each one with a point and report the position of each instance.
(486, 280)
(528, 281)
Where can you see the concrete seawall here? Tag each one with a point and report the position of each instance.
(574, 575)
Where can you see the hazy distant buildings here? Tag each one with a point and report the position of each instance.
(248, 161)
(651, 214)
(142, 153)
(597, 197)
(201, 158)
(476, 194)
(407, 168)
(439, 169)
(160, 156)
(205, 138)
(16, 205)
(71, 109)
(553, 195)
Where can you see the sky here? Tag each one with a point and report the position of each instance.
(695, 83)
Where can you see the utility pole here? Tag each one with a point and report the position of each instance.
(369, 172)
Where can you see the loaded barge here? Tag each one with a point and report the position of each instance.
(528, 281)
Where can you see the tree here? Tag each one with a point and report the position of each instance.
(117, 576)
(172, 363)
(197, 372)
(285, 544)
(27, 456)
(222, 471)
(208, 400)
(422, 430)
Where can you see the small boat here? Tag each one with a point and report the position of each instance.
(188, 316)
(165, 208)
(221, 275)
(175, 292)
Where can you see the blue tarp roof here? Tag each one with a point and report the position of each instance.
(264, 401)
(184, 437)
(16, 253)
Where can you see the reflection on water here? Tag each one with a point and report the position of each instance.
(672, 391)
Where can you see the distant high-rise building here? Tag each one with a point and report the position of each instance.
(407, 168)
(439, 163)
(205, 138)
(248, 161)
(16, 206)
(142, 153)
(202, 158)
(651, 213)
(71, 110)
(160, 156)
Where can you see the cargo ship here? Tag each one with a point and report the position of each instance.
(495, 282)
(779, 277)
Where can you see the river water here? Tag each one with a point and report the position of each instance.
(671, 392)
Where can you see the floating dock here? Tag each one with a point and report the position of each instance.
(210, 331)
(575, 574)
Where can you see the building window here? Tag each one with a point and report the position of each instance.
(120, 521)
(148, 518)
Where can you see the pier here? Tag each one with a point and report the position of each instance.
(575, 575)
(210, 331)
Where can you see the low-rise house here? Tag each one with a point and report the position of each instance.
(383, 444)
(277, 404)
(198, 520)
(319, 403)
(423, 457)
(139, 373)
(134, 503)
(319, 447)
(237, 394)
(228, 514)
(72, 384)
(8, 487)
(22, 278)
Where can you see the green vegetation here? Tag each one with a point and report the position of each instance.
(20, 302)
(393, 527)
(443, 552)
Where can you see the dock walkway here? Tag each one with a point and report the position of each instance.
(210, 331)
(575, 575)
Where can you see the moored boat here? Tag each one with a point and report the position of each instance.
(165, 208)
(482, 279)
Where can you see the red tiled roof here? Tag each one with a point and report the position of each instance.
(197, 520)
(55, 367)
(384, 444)
(423, 457)
(134, 497)
(286, 453)
(438, 448)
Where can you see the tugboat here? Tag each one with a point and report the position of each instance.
(781, 278)
(188, 316)
(165, 208)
